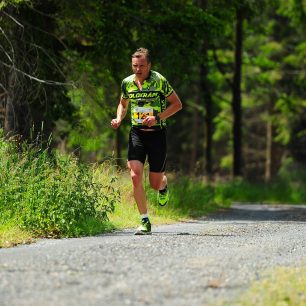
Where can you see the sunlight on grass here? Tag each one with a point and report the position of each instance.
(283, 286)
(11, 235)
(126, 214)
(188, 199)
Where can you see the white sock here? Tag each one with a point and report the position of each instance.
(144, 216)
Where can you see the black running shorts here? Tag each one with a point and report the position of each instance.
(151, 144)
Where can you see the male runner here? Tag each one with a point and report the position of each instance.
(148, 92)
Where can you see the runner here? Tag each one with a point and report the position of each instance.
(152, 100)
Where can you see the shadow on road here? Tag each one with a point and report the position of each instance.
(237, 213)
(164, 233)
(257, 212)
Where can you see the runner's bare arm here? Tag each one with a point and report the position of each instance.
(121, 113)
(175, 106)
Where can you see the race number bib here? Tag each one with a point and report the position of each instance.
(140, 113)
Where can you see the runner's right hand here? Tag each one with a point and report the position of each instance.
(115, 123)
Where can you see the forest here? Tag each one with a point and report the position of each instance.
(239, 69)
(237, 65)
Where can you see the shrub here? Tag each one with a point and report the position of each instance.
(52, 194)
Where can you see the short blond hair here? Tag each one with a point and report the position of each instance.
(142, 52)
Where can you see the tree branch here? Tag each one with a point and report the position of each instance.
(49, 82)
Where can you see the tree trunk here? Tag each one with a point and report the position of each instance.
(205, 89)
(206, 94)
(10, 122)
(3, 97)
(194, 135)
(268, 162)
(236, 102)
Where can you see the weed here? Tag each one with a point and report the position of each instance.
(52, 194)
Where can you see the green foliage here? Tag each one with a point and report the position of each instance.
(90, 42)
(193, 198)
(4, 3)
(52, 194)
(197, 198)
(295, 10)
(281, 190)
(100, 49)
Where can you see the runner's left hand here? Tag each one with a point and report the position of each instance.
(149, 121)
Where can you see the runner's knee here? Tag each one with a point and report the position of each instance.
(136, 178)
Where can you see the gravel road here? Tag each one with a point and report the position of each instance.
(190, 263)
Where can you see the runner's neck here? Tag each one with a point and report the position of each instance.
(139, 83)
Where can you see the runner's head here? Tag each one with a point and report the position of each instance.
(141, 63)
(142, 52)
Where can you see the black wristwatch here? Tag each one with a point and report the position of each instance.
(157, 118)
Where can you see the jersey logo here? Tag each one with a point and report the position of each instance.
(143, 95)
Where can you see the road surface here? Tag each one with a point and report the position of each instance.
(191, 263)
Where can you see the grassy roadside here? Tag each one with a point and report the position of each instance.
(189, 198)
(48, 194)
(11, 235)
(283, 286)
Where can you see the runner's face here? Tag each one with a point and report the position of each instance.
(141, 67)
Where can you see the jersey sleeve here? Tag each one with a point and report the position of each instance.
(167, 89)
(124, 92)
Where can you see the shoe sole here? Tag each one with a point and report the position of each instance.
(142, 233)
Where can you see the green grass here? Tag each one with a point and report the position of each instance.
(283, 286)
(279, 191)
(126, 214)
(11, 235)
(51, 194)
(188, 199)
(47, 194)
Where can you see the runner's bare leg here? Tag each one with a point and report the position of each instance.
(136, 170)
(158, 180)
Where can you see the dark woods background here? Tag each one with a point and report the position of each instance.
(238, 66)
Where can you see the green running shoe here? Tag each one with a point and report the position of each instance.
(163, 196)
(144, 228)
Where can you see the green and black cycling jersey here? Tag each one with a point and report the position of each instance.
(149, 101)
